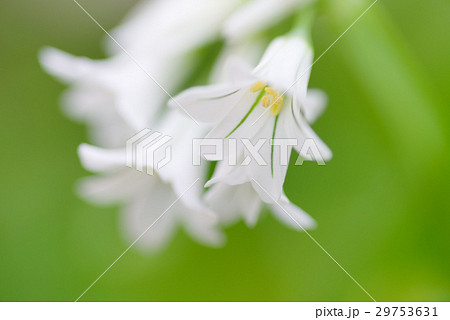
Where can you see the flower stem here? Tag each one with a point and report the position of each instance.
(304, 21)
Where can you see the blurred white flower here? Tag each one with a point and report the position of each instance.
(115, 94)
(164, 27)
(114, 87)
(263, 104)
(146, 197)
(117, 98)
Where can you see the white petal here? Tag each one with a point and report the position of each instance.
(157, 206)
(232, 67)
(101, 160)
(169, 24)
(291, 215)
(238, 129)
(92, 106)
(180, 171)
(117, 80)
(113, 188)
(315, 104)
(65, 66)
(136, 96)
(150, 211)
(209, 104)
(233, 202)
(286, 65)
(259, 125)
(298, 127)
(267, 179)
(240, 122)
(202, 225)
(84, 103)
(257, 16)
(229, 174)
(221, 198)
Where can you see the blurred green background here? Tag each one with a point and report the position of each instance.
(382, 204)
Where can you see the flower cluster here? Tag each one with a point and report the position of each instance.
(151, 56)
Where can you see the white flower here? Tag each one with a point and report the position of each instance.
(264, 104)
(114, 94)
(231, 202)
(116, 98)
(165, 26)
(146, 197)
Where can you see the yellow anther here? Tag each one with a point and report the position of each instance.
(273, 99)
(275, 109)
(278, 99)
(258, 86)
(270, 91)
(277, 105)
(266, 101)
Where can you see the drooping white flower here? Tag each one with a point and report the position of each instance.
(130, 88)
(172, 26)
(233, 202)
(144, 199)
(262, 104)
(173, 192)
(114, 92)
(117, 98)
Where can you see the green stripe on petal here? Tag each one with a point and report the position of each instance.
(224, 96)
(271, 147)
(258, 99)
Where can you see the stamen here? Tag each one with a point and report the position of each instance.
(266, 101)
(270, 91)
(276, 97)
(272, 99)
(275, 109)
(258, 86)
(277, 105)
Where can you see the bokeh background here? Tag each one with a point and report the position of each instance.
(382, 204)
